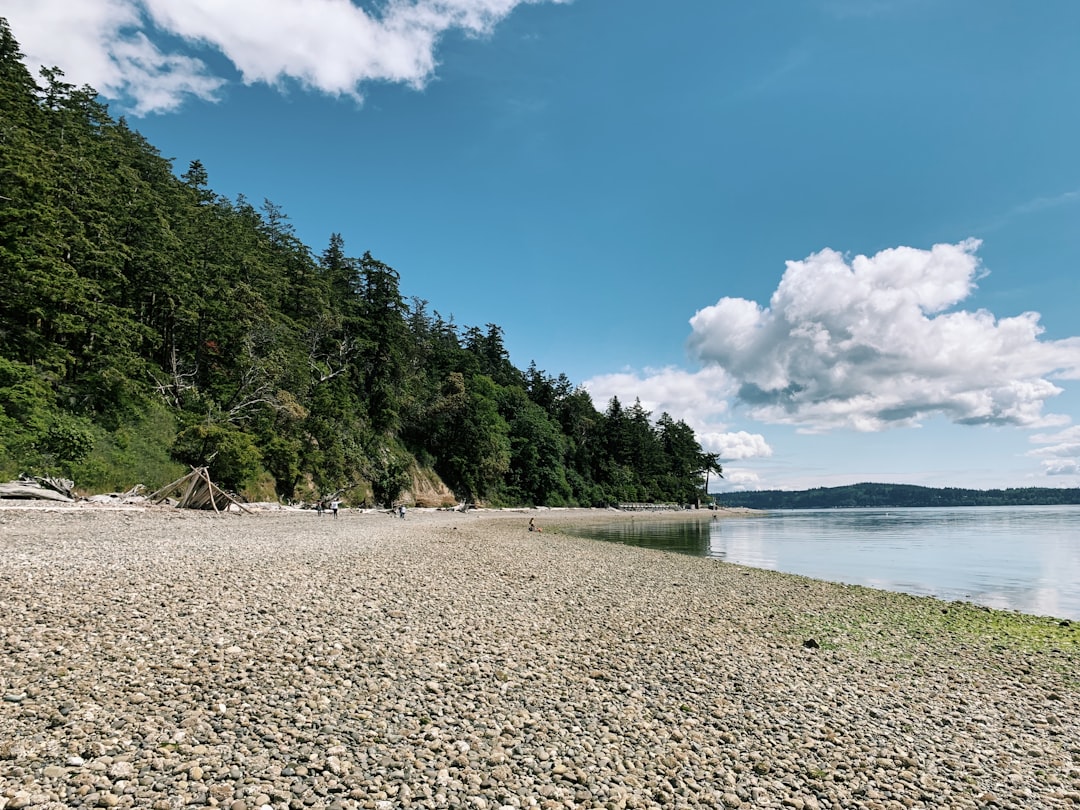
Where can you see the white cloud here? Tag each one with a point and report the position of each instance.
(100, 43)
(1062, 467)
(331, 46)
(872, 343)
(1061, 455)
(698, 398)
(695, 397)
(737, 481)
(735, 446)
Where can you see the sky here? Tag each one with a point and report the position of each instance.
(839, 238)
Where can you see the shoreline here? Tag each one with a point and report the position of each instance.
(169, 658)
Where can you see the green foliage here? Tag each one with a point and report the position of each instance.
(148, 323)
(230, 454)
(281, 457)
(536, 473)
(38, 436)
(390, 476)
(468, 437)
(69, 439)
(136, 452)
(25, 398)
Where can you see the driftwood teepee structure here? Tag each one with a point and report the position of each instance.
(198, 492)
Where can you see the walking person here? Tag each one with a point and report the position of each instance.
(334, 504)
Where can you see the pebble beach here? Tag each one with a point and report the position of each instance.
(163, 658)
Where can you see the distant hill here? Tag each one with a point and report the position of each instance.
(896, 495)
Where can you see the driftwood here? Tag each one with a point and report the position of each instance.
(64, 486)
(32, 490)
(132, 496)
(199, 492)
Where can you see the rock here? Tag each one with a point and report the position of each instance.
(275, 662)
(121, 770)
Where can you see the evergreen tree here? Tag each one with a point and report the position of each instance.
(142, 314)
(468, 438)
(536, 473)
(382, 340)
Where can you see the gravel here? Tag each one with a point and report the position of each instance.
(164, 658)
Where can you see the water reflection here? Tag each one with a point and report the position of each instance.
(1021, 558)
(683, 537)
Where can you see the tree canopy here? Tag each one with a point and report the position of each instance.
(147, 323)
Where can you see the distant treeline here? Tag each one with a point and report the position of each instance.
(896, 495)
(147, 323)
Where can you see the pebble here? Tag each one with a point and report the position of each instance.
(166, 659)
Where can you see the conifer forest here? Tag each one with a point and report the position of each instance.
(149, 325)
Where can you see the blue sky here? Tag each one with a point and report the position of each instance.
(839, 238)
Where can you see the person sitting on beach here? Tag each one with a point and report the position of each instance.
(533, 527)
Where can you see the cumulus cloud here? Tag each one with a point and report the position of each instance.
(698, 398)
(735, 446)
(874, 342)
(1061, 455)
(738, 481)
(332, 46)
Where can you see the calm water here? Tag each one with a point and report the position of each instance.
(1017, 558)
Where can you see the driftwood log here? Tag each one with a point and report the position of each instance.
(32, 490)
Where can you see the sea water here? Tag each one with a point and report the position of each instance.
(1024, 558)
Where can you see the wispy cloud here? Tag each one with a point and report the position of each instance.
(1042, 203)
(1061, 453)
(328, 46)
(1030, 207)
(778, 76)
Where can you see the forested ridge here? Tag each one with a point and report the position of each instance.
(148, 323)
(897, 495)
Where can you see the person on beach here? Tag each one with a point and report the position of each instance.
(401, 511)
(533, 527)
(320, 507)
(334, 504)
